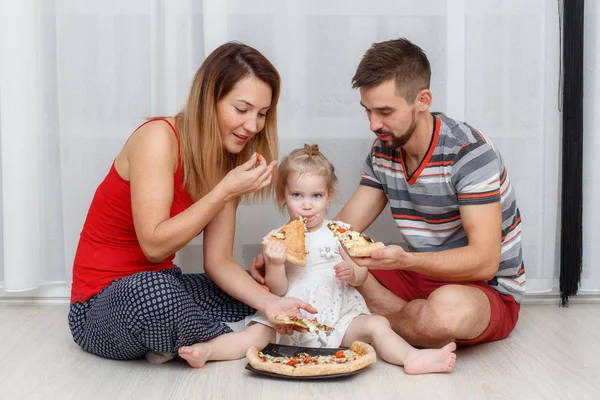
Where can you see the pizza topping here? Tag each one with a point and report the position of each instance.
(292, 361)
(297, 360)
(351, 239)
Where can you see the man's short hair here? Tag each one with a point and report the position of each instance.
(397, 59)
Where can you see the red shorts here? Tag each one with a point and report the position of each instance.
(411, 285)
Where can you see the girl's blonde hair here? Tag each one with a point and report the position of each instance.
(305, 160)
(203, 159)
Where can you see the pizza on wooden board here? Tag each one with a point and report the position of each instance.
(358, 356)
(358, 244)
(292, 236)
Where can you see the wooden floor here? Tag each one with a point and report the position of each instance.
(554, 353)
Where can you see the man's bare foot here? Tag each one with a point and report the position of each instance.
(156, 357)
(430, 360)
(196, 355)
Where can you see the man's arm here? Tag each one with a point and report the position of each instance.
(478, 261)
(363, 208)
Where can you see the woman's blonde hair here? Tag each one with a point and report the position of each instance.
(305, 160)
(203, 161)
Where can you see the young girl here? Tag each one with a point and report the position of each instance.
(305, 184)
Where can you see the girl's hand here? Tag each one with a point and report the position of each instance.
(349, 271)
(249, 177)
(274, 253)
(344, 271)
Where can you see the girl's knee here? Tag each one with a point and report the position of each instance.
(261, 335)
(378, 323)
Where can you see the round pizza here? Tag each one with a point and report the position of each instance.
(358, 356)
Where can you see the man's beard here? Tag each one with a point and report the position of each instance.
(398, 141)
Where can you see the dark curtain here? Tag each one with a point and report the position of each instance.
(572, 149)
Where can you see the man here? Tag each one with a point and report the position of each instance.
(459, 275)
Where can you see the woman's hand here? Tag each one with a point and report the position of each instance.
(274, 253)
(249, 177)
(257, 269)
(287, 306)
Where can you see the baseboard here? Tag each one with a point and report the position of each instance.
(554, 299)
(28, 301)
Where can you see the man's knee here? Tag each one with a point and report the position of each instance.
(444, 314)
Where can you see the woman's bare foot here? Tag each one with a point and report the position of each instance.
(156, 357)
(430, 360)
(196, 355)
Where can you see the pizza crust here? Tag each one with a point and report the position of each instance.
(368, 355)
(366, 250)
(257, 363)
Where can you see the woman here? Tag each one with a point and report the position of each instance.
(175, 178)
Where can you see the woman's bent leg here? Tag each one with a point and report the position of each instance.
(209, 297)
(145, 312)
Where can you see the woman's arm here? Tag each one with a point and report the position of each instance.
(151, 164)
(152, 161)
(220, 266)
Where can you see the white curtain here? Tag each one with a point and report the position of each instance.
(78, 76)
(590, 278)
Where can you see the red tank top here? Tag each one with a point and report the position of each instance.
(108, 246)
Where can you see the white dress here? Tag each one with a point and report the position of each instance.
(337, 302)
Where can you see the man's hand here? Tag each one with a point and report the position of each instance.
(257, 271)
(287, 306)
(390, 257)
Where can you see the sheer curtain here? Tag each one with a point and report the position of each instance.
(78, 76)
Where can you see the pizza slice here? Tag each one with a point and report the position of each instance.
(358, 244)
(292, 236)
(311, 324)
(357, 357)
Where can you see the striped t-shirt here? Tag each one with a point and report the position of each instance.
(461, 168)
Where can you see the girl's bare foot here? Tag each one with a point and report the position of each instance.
(156, 357)
(430, 360)
(196, 355)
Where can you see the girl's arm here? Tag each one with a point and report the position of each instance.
(360, 275)
(349, 271)
(275, 278)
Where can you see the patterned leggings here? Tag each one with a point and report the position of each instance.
(153, 311)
